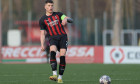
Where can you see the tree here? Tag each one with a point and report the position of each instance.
(117, 24)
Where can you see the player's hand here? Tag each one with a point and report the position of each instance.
(70, 20)
(64, 22)
(42, 48)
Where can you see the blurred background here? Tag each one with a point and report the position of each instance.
(96, 22)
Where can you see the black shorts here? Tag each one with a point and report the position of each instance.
(60, 41)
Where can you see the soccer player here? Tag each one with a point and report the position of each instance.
(53, 23)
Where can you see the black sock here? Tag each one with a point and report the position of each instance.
(53, 61)
(62, 65)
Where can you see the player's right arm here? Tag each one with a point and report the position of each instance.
(42, 39)
(42, 34)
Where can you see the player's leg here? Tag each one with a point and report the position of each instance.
(63, 48)
(53, 62)
(62, 65)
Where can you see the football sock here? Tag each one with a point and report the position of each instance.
(53, 62)
(60, 77)
(62, 65)
(55, 72)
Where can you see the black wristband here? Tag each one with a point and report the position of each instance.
(69, 20)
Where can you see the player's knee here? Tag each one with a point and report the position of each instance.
(62, 52)
(53, 48)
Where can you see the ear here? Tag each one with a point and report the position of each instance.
(45, 6)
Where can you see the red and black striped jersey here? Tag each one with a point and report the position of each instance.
(52, 24)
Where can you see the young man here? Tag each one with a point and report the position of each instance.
(52, 23)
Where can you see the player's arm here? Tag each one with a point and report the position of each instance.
(42, 39)
(42, 34)
(66, 20)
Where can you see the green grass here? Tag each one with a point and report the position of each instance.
(74, 74)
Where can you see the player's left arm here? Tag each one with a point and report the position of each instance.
(65, 19)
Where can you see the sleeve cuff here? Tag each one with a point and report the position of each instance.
(42, 29)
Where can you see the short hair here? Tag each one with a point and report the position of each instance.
(48, 1)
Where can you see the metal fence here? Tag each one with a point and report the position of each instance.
(127, 37)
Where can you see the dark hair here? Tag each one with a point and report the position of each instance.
(48, 1)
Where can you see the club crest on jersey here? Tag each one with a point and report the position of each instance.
(55, 17)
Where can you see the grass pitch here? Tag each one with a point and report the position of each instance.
(74, 73)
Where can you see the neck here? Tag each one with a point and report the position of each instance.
(49, 13)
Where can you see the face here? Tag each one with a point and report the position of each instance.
(49, 7)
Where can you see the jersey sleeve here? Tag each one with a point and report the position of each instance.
(42, 25)
(61, 15)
